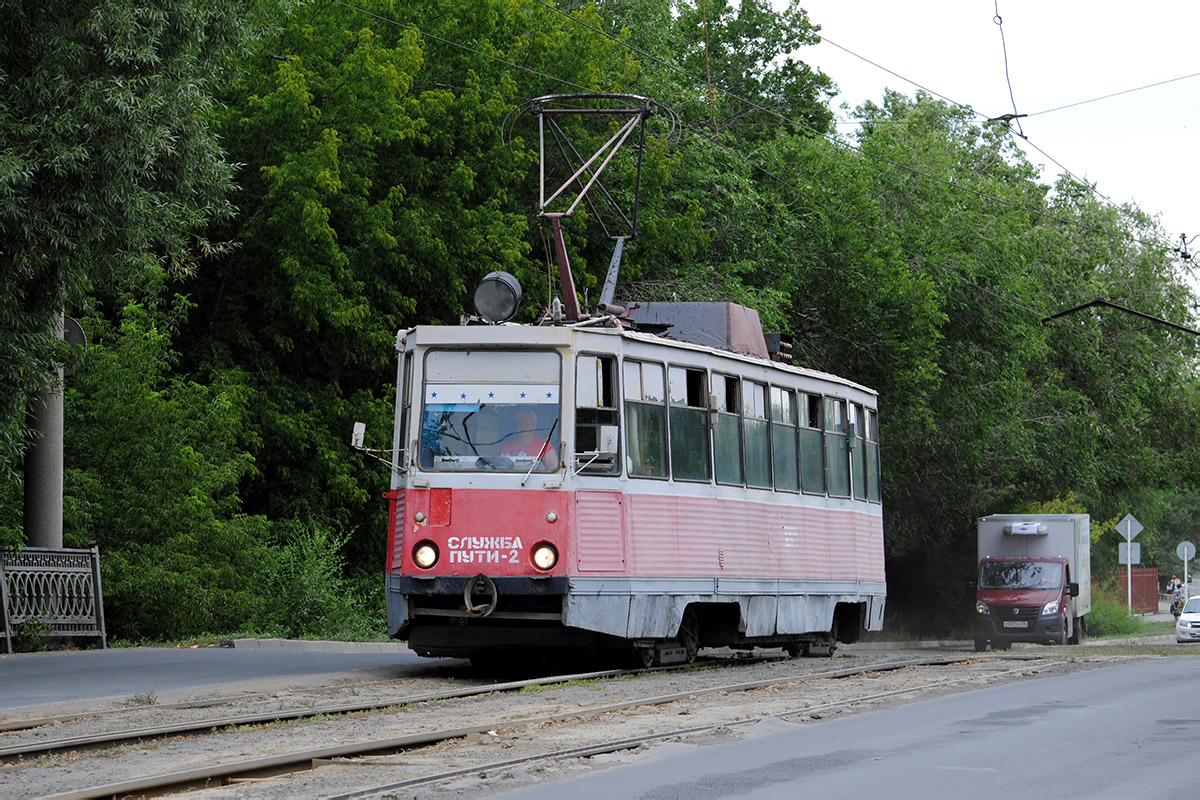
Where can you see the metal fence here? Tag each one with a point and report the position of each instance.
(55, 589)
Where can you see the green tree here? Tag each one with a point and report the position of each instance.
(109, 165)
(1023, 412)
(377, 188)
(156, 461)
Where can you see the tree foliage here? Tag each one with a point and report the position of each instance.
(109, 165)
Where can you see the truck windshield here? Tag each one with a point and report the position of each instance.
(1020, 575)
(496, 411)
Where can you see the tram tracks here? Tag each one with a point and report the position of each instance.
(366, 753)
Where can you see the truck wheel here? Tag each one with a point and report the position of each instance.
(980, 645)
(1076, 631)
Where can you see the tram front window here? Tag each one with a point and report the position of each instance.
(504, 417)
(481, 437)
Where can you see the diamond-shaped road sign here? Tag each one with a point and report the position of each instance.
(1129, 527)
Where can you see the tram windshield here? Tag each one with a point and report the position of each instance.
(505, 419)
(1021, 575)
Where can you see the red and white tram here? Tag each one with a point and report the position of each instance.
(589, 487)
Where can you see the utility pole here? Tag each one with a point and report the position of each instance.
(44, 463)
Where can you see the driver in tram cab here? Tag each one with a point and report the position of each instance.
(528, 443)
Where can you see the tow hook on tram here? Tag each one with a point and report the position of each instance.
(482, 587)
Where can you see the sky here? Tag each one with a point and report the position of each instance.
(1137, 147)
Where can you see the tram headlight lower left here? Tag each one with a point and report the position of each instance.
(425, 554)
(544, 556)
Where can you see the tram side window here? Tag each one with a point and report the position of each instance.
(783, 439)
(689, 424)
(857, 452)
(596, 423)
(871, 463)
(812, 454)
(645, 419)
(758, 435)
(727, 432)
(837, 461)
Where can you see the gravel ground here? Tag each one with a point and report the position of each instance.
(722, 715)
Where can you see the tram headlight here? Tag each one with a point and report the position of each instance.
(425, 554)
(497, 297)
(544, 556)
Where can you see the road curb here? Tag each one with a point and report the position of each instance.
(317, 646)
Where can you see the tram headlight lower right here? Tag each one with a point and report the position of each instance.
(544, 556)
(425, 554)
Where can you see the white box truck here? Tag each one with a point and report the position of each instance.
(1034, 582)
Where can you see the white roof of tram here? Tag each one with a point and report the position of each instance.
(568, 336)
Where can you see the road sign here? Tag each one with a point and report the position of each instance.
(1129, 527)
(1124, 549)
(1186, 551)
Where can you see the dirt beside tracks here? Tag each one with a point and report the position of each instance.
(521, 724)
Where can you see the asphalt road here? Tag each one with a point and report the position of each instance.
(49, 680)
(1128, 731)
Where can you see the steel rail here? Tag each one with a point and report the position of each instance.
(25, 749)
(27, 723)
(207, 725)
(282, 763)
(626, 744)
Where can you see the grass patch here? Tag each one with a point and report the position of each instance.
(584, 683)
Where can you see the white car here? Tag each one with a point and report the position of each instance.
(1187, 627)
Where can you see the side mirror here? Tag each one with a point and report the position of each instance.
(1073, 589)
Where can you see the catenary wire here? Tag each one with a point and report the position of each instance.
(1161, 239)
(1115, 94)
(840, 142)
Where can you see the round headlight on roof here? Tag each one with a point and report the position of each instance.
(497, 297)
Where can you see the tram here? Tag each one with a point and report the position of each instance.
(596, 488)
(642, 480)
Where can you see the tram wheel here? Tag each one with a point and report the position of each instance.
(645, 657)
(689, 635)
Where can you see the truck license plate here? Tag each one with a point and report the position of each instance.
(1016, 623)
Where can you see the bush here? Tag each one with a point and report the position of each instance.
(1109, 617)
(305, 593)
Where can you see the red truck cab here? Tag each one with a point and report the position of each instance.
(1024, 600)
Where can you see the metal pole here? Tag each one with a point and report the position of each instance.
(1129, 579)
(1129, 570)
(44, 464)
(569, 299)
